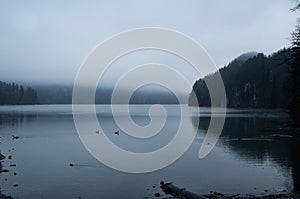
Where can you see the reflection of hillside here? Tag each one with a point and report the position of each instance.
(259, 139)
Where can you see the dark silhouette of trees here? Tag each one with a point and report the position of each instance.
(295, 72)
(257, 81)
(14, 94)
(295, 105)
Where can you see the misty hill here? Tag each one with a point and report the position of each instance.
(14, 94)
(62, 94)
(244, 57)
(252, 81)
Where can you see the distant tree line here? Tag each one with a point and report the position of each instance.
(62, 94)
(257, 81)
(15, 94)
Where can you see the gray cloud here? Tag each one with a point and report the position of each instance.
(47, 41)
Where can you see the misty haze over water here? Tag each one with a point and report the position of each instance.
(50, 135)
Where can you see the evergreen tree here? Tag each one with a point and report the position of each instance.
(13, 94)
(256, 82)
(295, 70)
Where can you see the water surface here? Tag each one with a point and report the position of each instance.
(256, 152)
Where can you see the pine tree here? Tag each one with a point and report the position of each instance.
(295, 69)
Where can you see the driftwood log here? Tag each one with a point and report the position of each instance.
(170, 189)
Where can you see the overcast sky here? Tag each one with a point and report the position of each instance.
(47, 41)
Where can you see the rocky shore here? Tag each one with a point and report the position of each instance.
(173, 191)
(2, 196)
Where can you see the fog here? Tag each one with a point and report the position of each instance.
(46, 42)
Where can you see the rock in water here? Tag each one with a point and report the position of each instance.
(4, 171)
(15, 137)
(2, 157)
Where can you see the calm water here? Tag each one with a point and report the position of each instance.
(256, 152)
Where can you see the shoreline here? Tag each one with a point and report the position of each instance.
(178, 192)
(2, 196)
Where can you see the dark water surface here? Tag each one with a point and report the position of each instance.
(256, 152)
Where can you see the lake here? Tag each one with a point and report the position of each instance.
(257, 152)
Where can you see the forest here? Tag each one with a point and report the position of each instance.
(15, 94)
(253, 80)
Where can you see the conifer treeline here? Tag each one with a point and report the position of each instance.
(258, 82)
(15, 94)
(295, 69)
